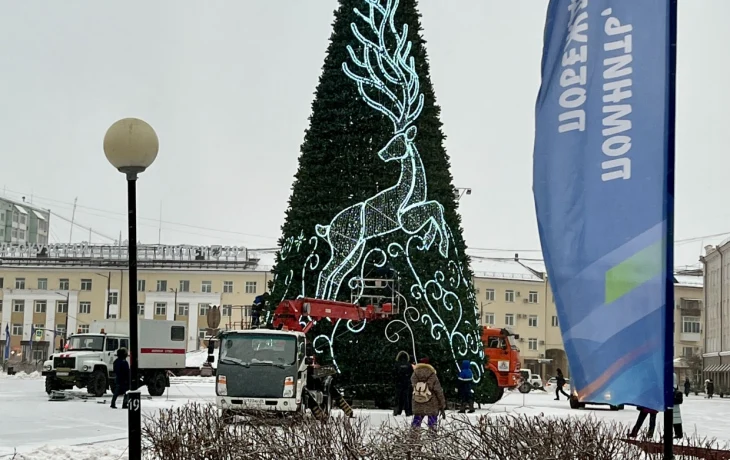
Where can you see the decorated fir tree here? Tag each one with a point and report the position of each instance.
(373, 199)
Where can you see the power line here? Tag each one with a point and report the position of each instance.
(157, 221)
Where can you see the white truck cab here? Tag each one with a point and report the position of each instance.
(88, 358)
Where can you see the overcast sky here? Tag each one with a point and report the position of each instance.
(228, 85)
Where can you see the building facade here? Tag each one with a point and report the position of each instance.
(716, 356)
(68, 288)
(22, 223)
(515, 294)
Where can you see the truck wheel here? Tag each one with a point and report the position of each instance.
(97, 383)
(51, 385)
(574, 404)
(525, 388)
(157, 384)
(491, 392)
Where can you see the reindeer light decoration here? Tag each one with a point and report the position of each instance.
(387, 81)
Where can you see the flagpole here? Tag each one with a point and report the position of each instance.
(669, 215)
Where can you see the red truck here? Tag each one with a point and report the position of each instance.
(503, 363)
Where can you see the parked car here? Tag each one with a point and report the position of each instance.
(552, 384)
(536, 381)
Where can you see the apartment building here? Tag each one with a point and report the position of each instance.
(515, 294)
(22, 223)
(716, 356)
(69, 286)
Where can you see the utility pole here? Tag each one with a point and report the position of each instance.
(174, 312)
(73, 217)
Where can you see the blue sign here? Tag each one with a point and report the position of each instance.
(600, 182)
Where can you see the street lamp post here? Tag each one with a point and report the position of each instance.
(131, 146)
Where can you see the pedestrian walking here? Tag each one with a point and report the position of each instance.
(710, 388)
(676, 410)
(643, 413)
(403, 389)
(428, 396)
(560, 383)
(687, 386)
(121, 379)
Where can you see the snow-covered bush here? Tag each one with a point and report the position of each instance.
(196, 432)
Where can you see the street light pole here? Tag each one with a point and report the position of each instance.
(131, 145)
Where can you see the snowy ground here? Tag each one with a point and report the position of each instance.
(40, 430)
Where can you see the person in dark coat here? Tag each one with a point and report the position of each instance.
(560, 383)
(466, 383)
(710, 388)
(403, 388)
(687, 386)
(643, 412)
(428, 396)
(121, 378)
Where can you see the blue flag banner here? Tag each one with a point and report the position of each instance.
(599, 182)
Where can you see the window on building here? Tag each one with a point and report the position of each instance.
(40, 306)
(532, 344)
(18, 305)
(86, 285)
(688, 351)
(140, 309)
(141, 285)
(39, 354)
(206, 286)
(183, 309)
(532, 320)
(21, 234)
(61, 307)
(15, 216)
(43, 283)
(203, 309)
(84, 328)
(85, 308)
(532, 297)
(226, 310)
(161, 285)
(113, 298)
(112, 316)
(250, 287)
(1, 305)
(691, 324)
(63, 284)
(555, 321)
(184, 286)
(14, 233)
(489, 318)
(17, 329)
(509, 319)
(228, 286)
(23, 219)
(202, 333)
(2, 283)
(509, 296)
(160, 308)
(490, 294)
(19, 283)
(61, 329)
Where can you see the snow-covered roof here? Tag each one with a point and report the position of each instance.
(506, 269)
(696, 281)
(266, 258)
(536, 265)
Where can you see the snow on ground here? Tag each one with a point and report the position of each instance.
(85, 430)
(198, 358)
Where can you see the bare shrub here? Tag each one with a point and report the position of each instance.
(197, 432)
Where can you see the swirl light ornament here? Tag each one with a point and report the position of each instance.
(386, 78)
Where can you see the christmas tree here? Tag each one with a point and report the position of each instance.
(373, 199)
